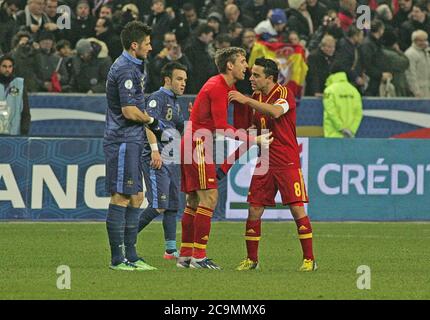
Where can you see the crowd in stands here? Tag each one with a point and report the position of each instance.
(389, 57)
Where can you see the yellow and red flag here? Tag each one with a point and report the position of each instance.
(291, 60)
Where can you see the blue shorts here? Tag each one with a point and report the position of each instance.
(123, 168)
(162, 185)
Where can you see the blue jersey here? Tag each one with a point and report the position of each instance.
(163, 105)
(124, 87)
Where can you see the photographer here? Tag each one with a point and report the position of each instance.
(23, 52)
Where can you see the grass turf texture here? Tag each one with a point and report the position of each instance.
(397, 254)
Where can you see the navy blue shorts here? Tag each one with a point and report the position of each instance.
(123, 168)
(162, 185)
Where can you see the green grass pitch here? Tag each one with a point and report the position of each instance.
(397, 253)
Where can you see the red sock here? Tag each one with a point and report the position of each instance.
(252, 237)
(202, 228)
(187, 232)
(304, 230)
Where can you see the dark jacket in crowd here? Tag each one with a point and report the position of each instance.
(408, 28)
(113, 42)
(24, 20)
(8, 29)
(297, 22)
(25, 66)
(348, 55)
(373, 63)
(203, 66)
(160, 24)
(46, 64)
(317, 13)
(397, 63)
(81, 29)
(319, 69)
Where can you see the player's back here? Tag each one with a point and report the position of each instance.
(123, 88)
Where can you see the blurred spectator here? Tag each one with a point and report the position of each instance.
(214, 21)
(248, 40)
(171, 52)
(160, 22)
(83, 24)
(129, 12)
(343, 107)
(187, 24)
(317, 10)
(106, 11)
(320, 62)
(418, 20)
(90, 66)
(384, 13)
(405, 9)
(373, 58)
(105, 32)
(235, 31)
(33, 18)
(232, 15)
(14, 109)
(293, 38)
(65, 53)
(299, 19)
(330, 25)
(348, 56)
(8, 10)
(396, 63)
(347, 13)
(23, 52)
(258, 9)
(203, 66)
(223, 40)
(273, 27)
(418, 74)
(50, 74)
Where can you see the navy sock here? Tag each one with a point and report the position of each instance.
(169, 226)
(130, 236)
(115, 224)
(146, 217)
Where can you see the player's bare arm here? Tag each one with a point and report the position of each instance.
(134, 114)
(156, 160)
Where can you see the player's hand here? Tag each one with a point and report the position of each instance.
(264, 140)
(156, 160)
(347, 133)
(237, 96)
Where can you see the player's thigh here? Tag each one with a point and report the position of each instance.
(123, 176)
(157, 183)
(291, 185)
(262, 190)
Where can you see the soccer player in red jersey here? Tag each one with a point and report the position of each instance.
(198, 170)
(275, 109)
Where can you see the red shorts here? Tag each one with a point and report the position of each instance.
(198, 170)
(289, 182)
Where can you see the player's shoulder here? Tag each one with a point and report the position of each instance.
(282, 92)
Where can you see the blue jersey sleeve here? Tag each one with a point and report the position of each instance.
(180, 122)
(127, 87)
(154, 106)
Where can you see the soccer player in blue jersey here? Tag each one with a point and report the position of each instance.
(162, 175)
(125, 119)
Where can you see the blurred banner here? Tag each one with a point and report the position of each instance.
(355, 179)
(73, 115)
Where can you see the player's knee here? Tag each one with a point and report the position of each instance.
(255, 213)
(136, 200)
(210, 198)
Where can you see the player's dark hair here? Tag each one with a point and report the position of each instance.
(134, 31)
(167, 70)
(270, 68)
(225, 55)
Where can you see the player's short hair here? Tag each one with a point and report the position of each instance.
(167, 70)
(225, 55)
(134, 31)
(270, 67)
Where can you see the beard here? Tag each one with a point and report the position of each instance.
(6, 79)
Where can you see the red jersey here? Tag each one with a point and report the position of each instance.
(210, 107)
(284, 150)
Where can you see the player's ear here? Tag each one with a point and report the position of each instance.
(229, 65)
